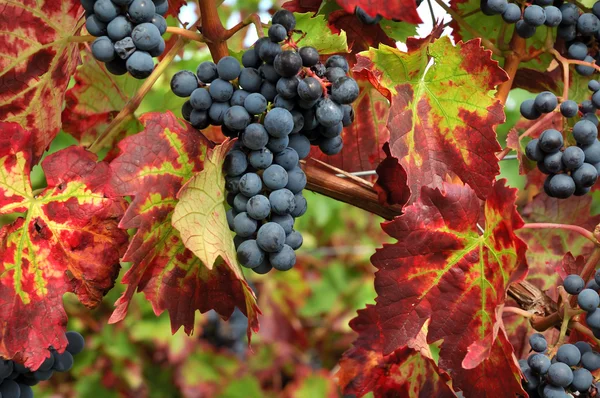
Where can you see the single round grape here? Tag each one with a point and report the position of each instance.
(9, 388)
(261, 159)
(207, 72)
(534, 15)
(284, 103)
(551, 391)
(277, 33)
(532, 381)
(551, 140)
(287, 63)
(95, 26)
(140, 64)
(524, 29)
(583, 347)
(268, 91)
(249, 254)
(264, 268)
(162, 8)
(593, 318)
(588, 24)
(570, 13)
(588, 300)
(250, 59)
(275, 177)
(585, 176)
(553, 16)
(284, 259)
(587, 106)
(309, 89)
(250, 184)
(184, 83)
(76, 342)
(258, 207)
(591, 361)
(301, 205)
(119, 28)
(542, 168)
(585, 132)
(145, 36)
(339, 61)
(539, 363)
(160, 22)
(235, 164)
(560, 374)
(553, 162)
(584, 70)
(512, 13)
(103, 49)
(236, 118)
(334, 73)
(279, 122)
(105, 10)
(186, 110)
(228, 68)
(63, 362)
(282, 201)
(271, 237)
(268, 51)
(569, 108)
(294, 240)
(216, 112)
(238, 97)
(592, 152)
(288, 159)
(285, 18)
(300, 144)
(578, 51)
(286, 221)
(595, 99)
(344, 90)
(221, 90)
(244, 226)
(560, 186)
(528, 110)
(545, 102)
(581, 191)
(574, 284)
(568, 354)
(255, 104)
(199, 119)
(250, 80)
(538, 342)
(593, 285)
(200, 99)
(533, 151)
(287, 87)
(277, 145)
(331, 146)
(255, 136)
(328, 113)
(269, 73)
(309, 55)
(158, 50)
(582, 380)
(141, 11)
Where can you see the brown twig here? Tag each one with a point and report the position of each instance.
(567, 227)
(250, 19)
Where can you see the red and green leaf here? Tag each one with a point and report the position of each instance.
(37, 60)
(391, 186)
(404, 10)
(443, 115)
(153, 167)
(442, 269)
(67, 241)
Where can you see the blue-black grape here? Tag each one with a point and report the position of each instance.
(569, 108)
(534, 15)
(551, 140)
(63, 362)
(328, 113)
(551, 391)
(275, 177)
(270, 237)
(160, 22)
(559, 186)
(228, 68)
(250, 184)
(582, 380)
(269, 51)
(592, 152)
(268, 90)
(146, 36)
(553, 16)
(236, 118)
(250, 59)
(538, 342)
(573, 283)
(344, 90)
(76, 342)
(300, 144)
(199, 119)
(528, 110)
(249, 254)
(244, 226)
(533, 151)
(578, 51)
(162, 7)
(255, 103)
(524, 29)
(296, 180)
(284, 18)
(140, 64)
(221, 90)
(300, 205)
(539, 363)
(309, 55)
(284, 259)
(591, 361)
(309, 89)
(250, 80)
(585, 70)
(9, 388)
(103, 49)
(288, 158)
(339, 61)
(585, 176)
(560, 374)
(570, 13)
(235, 163)
(287, 87)
(282, 201)
(588, 24)
(553, 162)
(119, 28)
(261, 159)
(258, 207)
(216, 112)
(588, 300)
(585, 132)
(287, 63)
(545, 102)
(200, 99)
(207, 72)
(105, 10)
(277, 33)
(331, 146)
(255, 136)
(512, 13)
(279, 122)
(294, 240)
(569, 354)
(141, 11)
(95, 26)
(184, 83)
(280, 102)
(285, 221)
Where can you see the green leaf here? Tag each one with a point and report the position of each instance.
(317, 34)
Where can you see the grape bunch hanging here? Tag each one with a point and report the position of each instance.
(16, 380)
(571, 169)
(282, 101)
(129, 33)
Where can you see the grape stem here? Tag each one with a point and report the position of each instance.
(250, 19)
(195, 36)
(567, 227)
(518, 311)
(591, 263)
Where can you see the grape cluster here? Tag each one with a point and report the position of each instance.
(129, 33)
(540, 12)
(16, 380)
(572, 170)
(278, 104)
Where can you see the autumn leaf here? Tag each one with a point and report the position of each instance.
(443, 115)
(67, 241)
(403, 373)
(316, 33)
(404, 10)
(152, 168)
(391, 184)
(446, 270)
(36, 62)
(94, 101)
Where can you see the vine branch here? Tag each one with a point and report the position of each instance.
(567, 227)
(250, 19)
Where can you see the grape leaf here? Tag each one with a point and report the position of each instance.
(443, 115)
(175, 7)
(443, 270)
(152, 167)
(359, 35)
(67, 241)
(200, 218)
(36, 62)
(403, 373)
(94, 101)
(302, 5)
(391, 184)
(404, 10)
(315, 33)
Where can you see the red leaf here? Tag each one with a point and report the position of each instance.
(36, 62)
(175, 7)
(405, 10)
(391, 185)
(403, 373)
(152, 168)
(68, 241)
(302, 5)
(570, 265)
(359, 35)
(443, 270)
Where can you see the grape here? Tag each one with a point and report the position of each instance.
(238, 97)
(284, 103)
(545, 102)
(271, 237)
(559, 186)
(268, 90)
(186, 110)
(573, 284)
(569, 108)
(588, 300)
(568, 354)
(162, 8)
(578, 51)
(199, 119)
(595, 98)
(584, 132)
(596, 9)
(236, 118)
(538, 342)
(591, 361)
(533, 151)
(264, 268)
(588, 24)
(587, 106)
(76, 342)
(200, 99)
(287, 63)
(255, 104)
(63, 362)
(243, 225)
(551, 141)
(95, 26)
(10, 388)
(553, 162)
(591, 117)
(258, 207)
(250, 59)
(275, 177)
(184, 83)
(300, 206)
(294, 240)
(207, 72)
(216, 112)
(334, 73)
(249, 254)
(235, 164)
(551, 391)
(309, 55)
(269, 73)
(582, 380)
(593, 285)
(592, 153)
(584, 70)
(539, 363)
(296, 180)
(344, 90)
(88, 5)
(309, 89)
(239, 202)
(300, 144)
(512, 13)
(330, 132)
(581, 191)
(220, 90)
(534, 15)
(593, 318)
(250, 184)
(160, 22)
(140, 64)
(255, 136)
(585, 176)
(279, 122)
(261, 159)
(583, 347)
(328, 113)
(285, 18)
(268, 51)
(286, 221)
(532, 381)
(230, 216)
(331, 146)
(145, 36)
(524, 30)
(560, 374)
(553, 16)
(282, 201)
(284, 259)
(277, 33)
(119, 28)
(287, 87)
(228, 68)
(570, 13)
(142, 11)
(298, 121)
(288, 158)
(339, 61)
(74, 347)
(250, 80)
(158, 50)
(105, 10)
(528, 110)
(103, 50)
